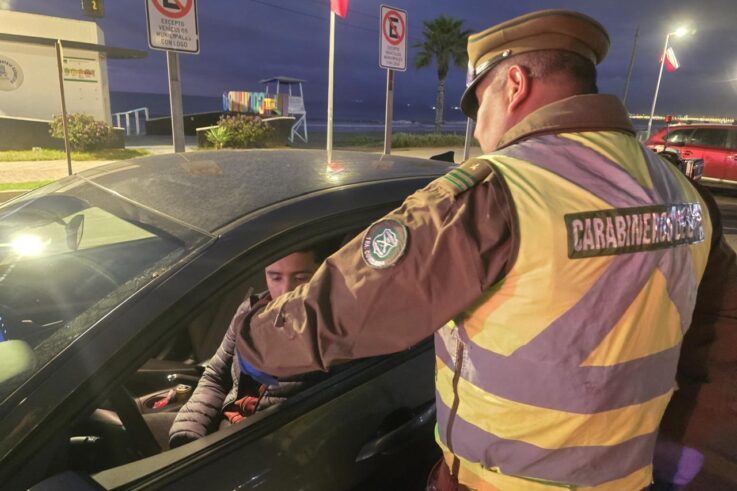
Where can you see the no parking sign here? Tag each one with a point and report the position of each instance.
(393, 38)
(172, 25)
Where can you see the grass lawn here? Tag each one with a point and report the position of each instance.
(18, 186)
(53, 154)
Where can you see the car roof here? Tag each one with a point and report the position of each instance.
(208, 190)
(676, 126)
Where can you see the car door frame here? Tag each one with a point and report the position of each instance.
(282, 223)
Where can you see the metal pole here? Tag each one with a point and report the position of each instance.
(60, 64)
(389, 112)
(629, 69)
(469, 135)
(175, 101)
(657, 87)
(331, 70)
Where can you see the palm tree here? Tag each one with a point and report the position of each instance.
(445, 40)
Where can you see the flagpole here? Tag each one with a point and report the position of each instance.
(331, 70)
(657, 86)
(629, 68)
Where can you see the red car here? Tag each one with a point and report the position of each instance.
(716, 144)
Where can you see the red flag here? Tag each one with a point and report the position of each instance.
(340, 7)
(671, 62)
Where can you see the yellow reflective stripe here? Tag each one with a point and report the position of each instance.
(549, 428)
(513, 311)
(651, 324)
(618, 147)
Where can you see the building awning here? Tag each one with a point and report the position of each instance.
(110, 51)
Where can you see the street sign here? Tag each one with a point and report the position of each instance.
(93, 8)
(172, 25)
(393, 38)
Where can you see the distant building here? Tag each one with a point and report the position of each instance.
(29, 80)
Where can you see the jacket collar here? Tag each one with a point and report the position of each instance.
(590, 112)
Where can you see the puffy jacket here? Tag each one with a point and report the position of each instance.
(219, 387)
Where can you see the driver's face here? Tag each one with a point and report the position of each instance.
(289, 272)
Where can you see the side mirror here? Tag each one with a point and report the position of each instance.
(448, 156)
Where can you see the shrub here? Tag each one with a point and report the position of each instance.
(219, 136)
(85, 133)
(404, 140)
(245, 131)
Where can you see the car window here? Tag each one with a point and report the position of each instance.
(732, 140)
(678, 136)
(69, 254)
(709, 137)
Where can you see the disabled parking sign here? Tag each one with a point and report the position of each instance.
(172, 25)
(393, 38)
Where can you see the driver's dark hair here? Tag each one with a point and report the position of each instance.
(319, 251)
(549, 63)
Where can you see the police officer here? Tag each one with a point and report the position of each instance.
(558, 272)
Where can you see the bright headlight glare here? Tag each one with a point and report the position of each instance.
(27, 245)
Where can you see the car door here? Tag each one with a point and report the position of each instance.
(730, 159)
(337, 435)
(376, 415)
(708, 144)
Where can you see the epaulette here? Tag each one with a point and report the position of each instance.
(466, 176)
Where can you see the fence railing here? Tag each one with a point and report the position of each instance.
(126, 116)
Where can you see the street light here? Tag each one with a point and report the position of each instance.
(680, 32)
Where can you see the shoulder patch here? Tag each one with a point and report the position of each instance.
(467, 175)
(384, 243)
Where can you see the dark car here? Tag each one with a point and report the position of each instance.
(716, 144)
(117, 285)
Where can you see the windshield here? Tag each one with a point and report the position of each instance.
(72, 252)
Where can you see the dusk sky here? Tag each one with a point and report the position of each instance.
(243, 41)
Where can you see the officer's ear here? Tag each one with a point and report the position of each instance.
(518, 87)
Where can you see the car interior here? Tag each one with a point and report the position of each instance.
(134, 421)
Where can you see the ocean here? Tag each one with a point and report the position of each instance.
(351, 116)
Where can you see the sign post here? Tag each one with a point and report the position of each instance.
(60, 66)
(172, 27)
(392, 57)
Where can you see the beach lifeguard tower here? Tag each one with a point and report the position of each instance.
(295, 103)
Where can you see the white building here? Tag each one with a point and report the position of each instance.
(29, 80)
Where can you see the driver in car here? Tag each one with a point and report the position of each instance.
(222, 397)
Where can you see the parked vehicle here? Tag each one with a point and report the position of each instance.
(716, 144)
(117, 284)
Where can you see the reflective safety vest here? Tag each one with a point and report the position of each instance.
(558, 376)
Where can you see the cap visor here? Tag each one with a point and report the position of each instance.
(469, 102)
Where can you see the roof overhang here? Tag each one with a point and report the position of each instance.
(110, 51)
(282, 80)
